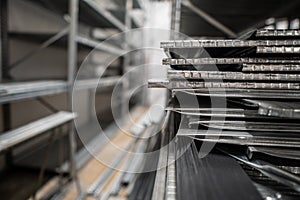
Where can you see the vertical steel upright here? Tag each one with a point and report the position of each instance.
(1, 47)
(4, 38)
(4, 58)
(126, 59)
(72, 66)
(175, 18)
(4, 69)
(129, 5)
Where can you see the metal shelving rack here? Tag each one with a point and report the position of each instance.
(79, 11)
(19, 135)
(206, 19)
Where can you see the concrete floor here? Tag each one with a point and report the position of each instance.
(93, 169)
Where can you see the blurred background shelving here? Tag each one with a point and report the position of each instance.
(43, 44)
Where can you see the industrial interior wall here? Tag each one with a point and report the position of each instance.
(159, 18)
(48, 64)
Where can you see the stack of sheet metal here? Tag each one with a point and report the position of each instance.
(257, 78)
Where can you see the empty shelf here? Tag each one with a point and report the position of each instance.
(105, 14)
(90, 12)
(100, 45)
(24, 90)
(18, 135)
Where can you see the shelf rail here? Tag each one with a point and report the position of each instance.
(16, 136)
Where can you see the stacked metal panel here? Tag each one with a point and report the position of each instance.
(248, 108)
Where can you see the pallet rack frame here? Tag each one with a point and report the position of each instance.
(58, 86)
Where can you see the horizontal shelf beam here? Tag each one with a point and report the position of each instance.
(25, 90)
(33, 129)
(100, 83)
